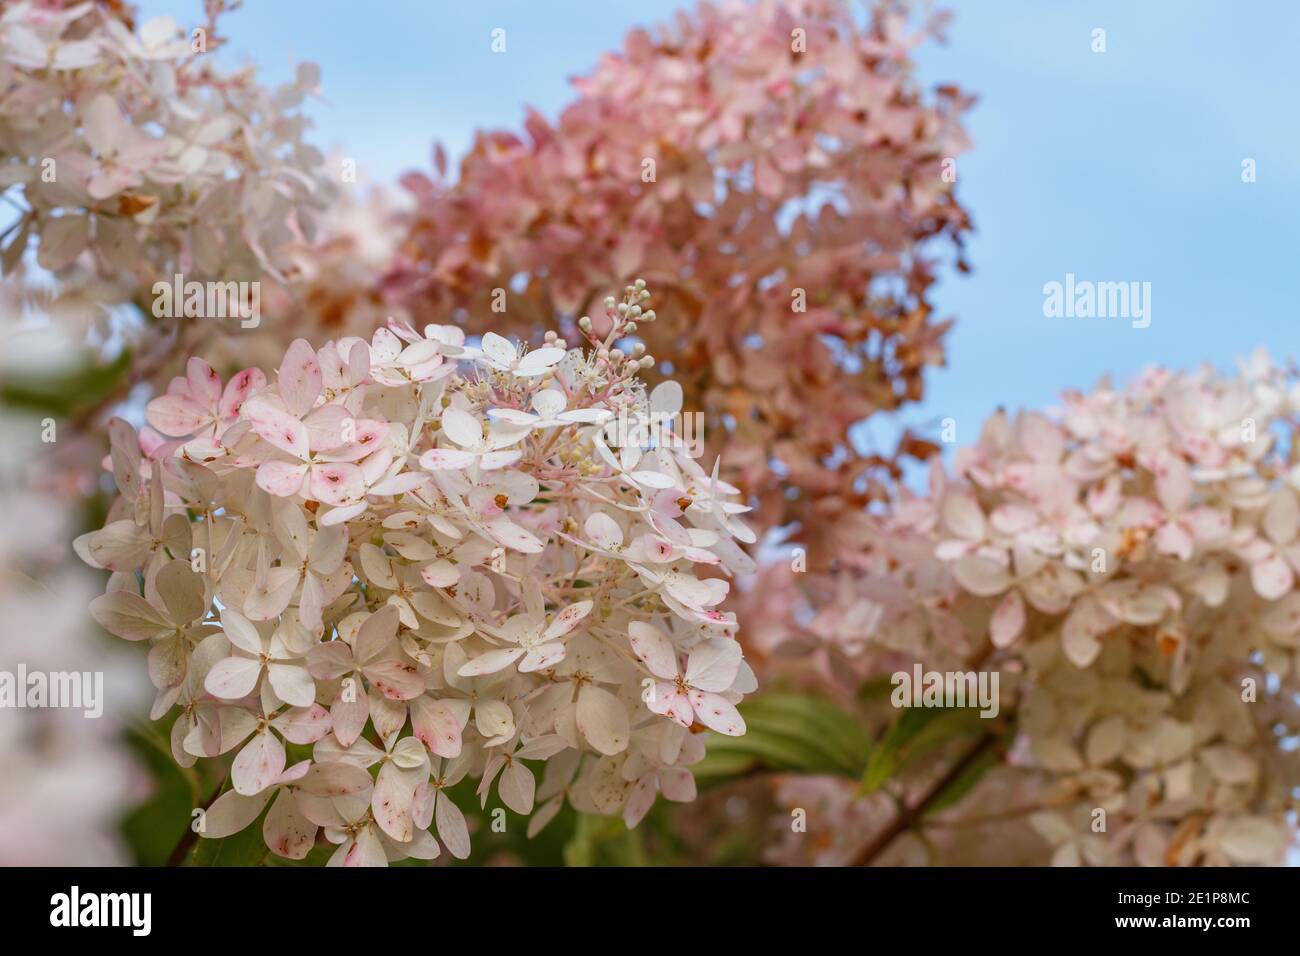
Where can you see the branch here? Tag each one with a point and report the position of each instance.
(910, 815)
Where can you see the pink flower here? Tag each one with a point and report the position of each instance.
(197, 404)
(1275, 556)
(711, 668)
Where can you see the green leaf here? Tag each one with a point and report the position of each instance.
(63, 393)
(245, 848)
(722, 763)
(876, 688)
(766, 751)
(153, 828)
(791, 733)
(602, 841)
(318, 856)
(834, 733)
(916, 732)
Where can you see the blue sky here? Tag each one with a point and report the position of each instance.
(1115, 166)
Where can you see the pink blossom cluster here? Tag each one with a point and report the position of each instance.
(132, 157)
(1129, 565)
(411, 560)
(777, 174)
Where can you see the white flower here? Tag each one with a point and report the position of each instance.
(498, 353)
(539, 645)
(549, 405)
(711, 668)
(475, 448)
(237, 675)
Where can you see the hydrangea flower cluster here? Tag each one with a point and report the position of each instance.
(132, 157)
(411, 560)
(1130, 567)
(776, 172)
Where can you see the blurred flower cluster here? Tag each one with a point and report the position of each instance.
(127, 145)
(1129, 566)
(127, 158)
(775, 172)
